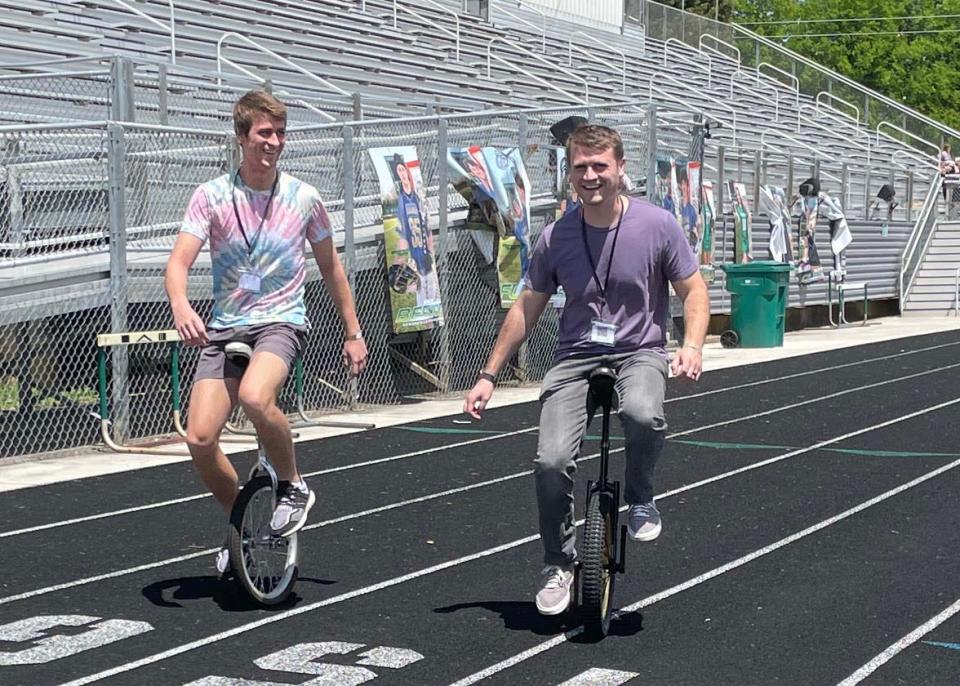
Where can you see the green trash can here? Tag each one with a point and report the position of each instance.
(758, 309)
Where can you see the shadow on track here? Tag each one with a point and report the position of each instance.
(225, 593)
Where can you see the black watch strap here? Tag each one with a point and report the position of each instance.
(492, 378)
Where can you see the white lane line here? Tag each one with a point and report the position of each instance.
(816, 371)
(392, 458)
(707, 576)
(517, 475)
(200, 496)
(900, 645)
(280, 616)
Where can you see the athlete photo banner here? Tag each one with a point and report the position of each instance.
(741, 221)
(668, 186)
(494, 183)
(411, 277)
(690, 216)
(774, 204)
(709, 215)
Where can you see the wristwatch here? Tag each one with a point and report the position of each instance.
(484, 374)
(358, 336)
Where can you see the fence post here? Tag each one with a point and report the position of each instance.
(15, 202)
(789, 192)
(443, 250)
(117, 203)
(652, 160)
(357, 100)
(757, 180)
(910, 195)
(721, 179)
(521, 147)
(121, 89)
(349, 247)
(844, 186)
(162, 94)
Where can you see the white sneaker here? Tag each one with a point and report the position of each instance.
(555, 585)
(223, 557)
(643, 522)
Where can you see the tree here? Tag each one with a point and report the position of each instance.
(912, 60)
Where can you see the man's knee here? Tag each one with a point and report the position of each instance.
(202, 441)
(554, 458)
(257, 402)
(642, 413)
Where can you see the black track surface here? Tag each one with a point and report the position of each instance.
(436, 552)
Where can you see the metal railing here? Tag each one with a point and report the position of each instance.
(171, 29)
(282, 60)
(429, 22)
(530, 74)
(918, 241)
(623, 56)
(516, 17)
(831, 96)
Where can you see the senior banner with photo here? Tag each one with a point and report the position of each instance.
(709, 226)
(741, 221)
(495, 185)
(411, 277)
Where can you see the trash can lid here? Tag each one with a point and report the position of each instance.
(757, 267)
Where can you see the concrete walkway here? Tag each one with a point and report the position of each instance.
(39, 470)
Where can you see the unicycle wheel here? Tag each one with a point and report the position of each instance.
(264, 564)
(596, 577)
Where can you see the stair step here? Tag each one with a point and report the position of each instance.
(929, 298)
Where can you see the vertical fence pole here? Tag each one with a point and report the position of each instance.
(757, 180)
(910, 196)
(349, 247)
(443, 251)
(162, 95)
(521, 147)
(117, 203)
(652, 154)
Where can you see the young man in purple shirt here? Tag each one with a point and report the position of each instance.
(615, 259)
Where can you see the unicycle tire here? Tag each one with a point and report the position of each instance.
(596, 591)
(263, 563)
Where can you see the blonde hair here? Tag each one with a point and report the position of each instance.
(253, 103)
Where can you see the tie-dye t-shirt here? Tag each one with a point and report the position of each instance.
(295, 214)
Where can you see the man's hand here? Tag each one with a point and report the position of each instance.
(687, 362)
(189, 325)
(477, 398)
(355, 356)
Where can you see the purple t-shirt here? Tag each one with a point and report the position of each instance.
(651, 252)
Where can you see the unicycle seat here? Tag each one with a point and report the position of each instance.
(602, 382)
(238, 352)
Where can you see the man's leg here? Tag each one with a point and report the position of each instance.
(211, 401)
(259, 389)
(641, 385)
(563, 418)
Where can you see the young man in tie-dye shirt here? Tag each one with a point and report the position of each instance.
(256, 220)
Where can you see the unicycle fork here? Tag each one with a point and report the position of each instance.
(263, 562)
(604, 539)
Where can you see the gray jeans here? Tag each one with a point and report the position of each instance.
(564, 416)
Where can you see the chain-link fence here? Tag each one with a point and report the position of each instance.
(90, 212)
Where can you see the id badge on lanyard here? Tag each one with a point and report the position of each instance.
(249, 281)
(603, 333)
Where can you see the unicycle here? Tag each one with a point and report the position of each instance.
(263, 563)
(603, 549)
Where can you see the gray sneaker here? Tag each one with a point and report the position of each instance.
(643, 522)
(554, 594)
(291, 512)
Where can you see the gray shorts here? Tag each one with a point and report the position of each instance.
(283, 340)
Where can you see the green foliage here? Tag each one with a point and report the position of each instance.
(705, 8)
(920, 70)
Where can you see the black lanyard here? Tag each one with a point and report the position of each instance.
(586, 246)
(266, 210)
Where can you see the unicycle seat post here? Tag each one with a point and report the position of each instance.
(602, 384)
